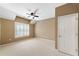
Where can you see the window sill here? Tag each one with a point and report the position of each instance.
(21, 37)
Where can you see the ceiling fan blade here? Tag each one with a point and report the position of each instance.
(35, 11)
(27, 14)
(36, 16)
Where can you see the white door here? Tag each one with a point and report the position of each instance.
(68, 34)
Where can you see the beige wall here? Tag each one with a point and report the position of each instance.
(0, 32)
(46, 29)
(8, 30)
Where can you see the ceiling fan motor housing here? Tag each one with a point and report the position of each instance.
(32, 13)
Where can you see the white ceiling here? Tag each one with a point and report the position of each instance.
(46, 10)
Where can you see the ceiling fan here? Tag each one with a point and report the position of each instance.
(33, 14)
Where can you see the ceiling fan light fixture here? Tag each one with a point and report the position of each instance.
(33, 22)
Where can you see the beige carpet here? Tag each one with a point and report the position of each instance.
(31, 47)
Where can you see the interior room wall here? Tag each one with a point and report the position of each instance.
(0, 32)
(46, 29)
(8, 30)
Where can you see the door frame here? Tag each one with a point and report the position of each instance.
(56, 41)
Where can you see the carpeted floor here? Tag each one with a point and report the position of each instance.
(30, 47)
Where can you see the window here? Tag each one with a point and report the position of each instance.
(21, 29)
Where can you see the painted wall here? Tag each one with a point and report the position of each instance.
(8, 30)
(46, 29)
(0, 32)
(7, 14)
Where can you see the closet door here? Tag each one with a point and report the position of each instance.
(68, 34)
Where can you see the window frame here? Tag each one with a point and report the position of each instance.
(22, 35)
